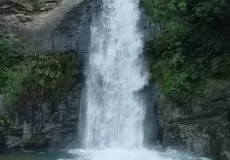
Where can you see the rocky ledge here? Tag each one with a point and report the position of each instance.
(33, 13)
(48, 25)
(202, 128)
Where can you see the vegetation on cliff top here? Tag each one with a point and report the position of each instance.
(27, 79)
(190, 57)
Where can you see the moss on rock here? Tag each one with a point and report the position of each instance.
(29, 79)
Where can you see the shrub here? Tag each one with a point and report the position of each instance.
(192, 49)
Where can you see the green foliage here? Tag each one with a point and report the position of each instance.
(51, 78)
(190, 57)
(48, 78)
(12, 52)
(4, 121)
(28, 80)
(14, 84)
(173, 83)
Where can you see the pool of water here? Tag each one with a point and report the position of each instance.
(106, 154)
(37, 155)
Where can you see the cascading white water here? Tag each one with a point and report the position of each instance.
(114, 111)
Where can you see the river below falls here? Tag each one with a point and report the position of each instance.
(105, 154)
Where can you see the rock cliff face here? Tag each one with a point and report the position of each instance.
(202, 128)
(46, 129)
(48, 26)
(34, 14)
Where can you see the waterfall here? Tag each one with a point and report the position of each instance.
(114, 110)
(115, 113)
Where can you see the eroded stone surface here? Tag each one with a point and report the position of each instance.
(48, 130)
(204, 129)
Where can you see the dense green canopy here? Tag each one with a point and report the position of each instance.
(190, 56)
